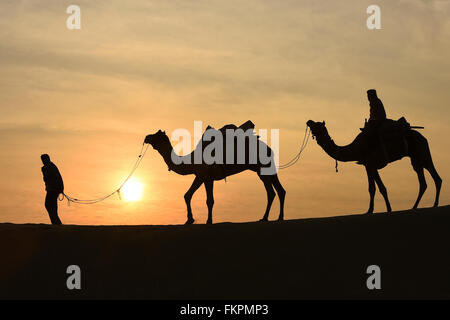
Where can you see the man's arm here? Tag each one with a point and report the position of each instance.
(44, 174)
(59, 179)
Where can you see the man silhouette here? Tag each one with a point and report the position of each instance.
(377, 117)
(377, 112)
(54, 185)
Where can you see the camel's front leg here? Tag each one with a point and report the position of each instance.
(209, 184)
(188, 196)
(371, 180)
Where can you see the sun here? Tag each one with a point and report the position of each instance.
(132, 190)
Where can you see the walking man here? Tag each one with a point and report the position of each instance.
(54, 186)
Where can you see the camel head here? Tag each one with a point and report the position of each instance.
(157, 140)
(318, 129)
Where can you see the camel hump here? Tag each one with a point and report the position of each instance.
(386, 141)
(247, 125)
(394, 127)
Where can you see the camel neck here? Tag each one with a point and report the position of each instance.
(175, 162)
(339, 153)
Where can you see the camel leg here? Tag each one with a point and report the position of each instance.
(209, 199)
(437, 181)
(371, 180)
(188, 196)
(382, 190)
(422, 185)
(267, 180)
(281, 195)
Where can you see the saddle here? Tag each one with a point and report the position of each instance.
(248, 125)
(385, 140)
(245, 126)
(400, 124)
(219, 171)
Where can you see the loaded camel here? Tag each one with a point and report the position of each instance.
(398, 143)
(208, 173)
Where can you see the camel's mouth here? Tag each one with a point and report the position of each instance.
(313, 127)
(156, 139)
(152, 140)
(148, 139)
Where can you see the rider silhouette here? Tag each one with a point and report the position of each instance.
(54, 185)
(377, 112)
(377, 117)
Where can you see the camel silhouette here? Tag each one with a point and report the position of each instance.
(408, 143)
(208, 173)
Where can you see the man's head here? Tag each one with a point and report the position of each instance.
(371, 94)
(45, 158)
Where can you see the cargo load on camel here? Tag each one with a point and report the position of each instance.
(387, 142)
(247, 132)
(391, 140)
(241, 142)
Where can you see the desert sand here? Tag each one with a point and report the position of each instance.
(293, 259)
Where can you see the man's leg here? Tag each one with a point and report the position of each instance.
(51, 204)
(57, 220)
(48, 205)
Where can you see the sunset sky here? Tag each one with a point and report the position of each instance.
(88, 97)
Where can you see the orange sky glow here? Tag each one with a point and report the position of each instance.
(88, 97)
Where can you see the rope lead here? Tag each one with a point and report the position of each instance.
(92, 201)
(141, 156)
(302, 147)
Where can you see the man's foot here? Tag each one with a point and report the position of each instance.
(189, 221)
